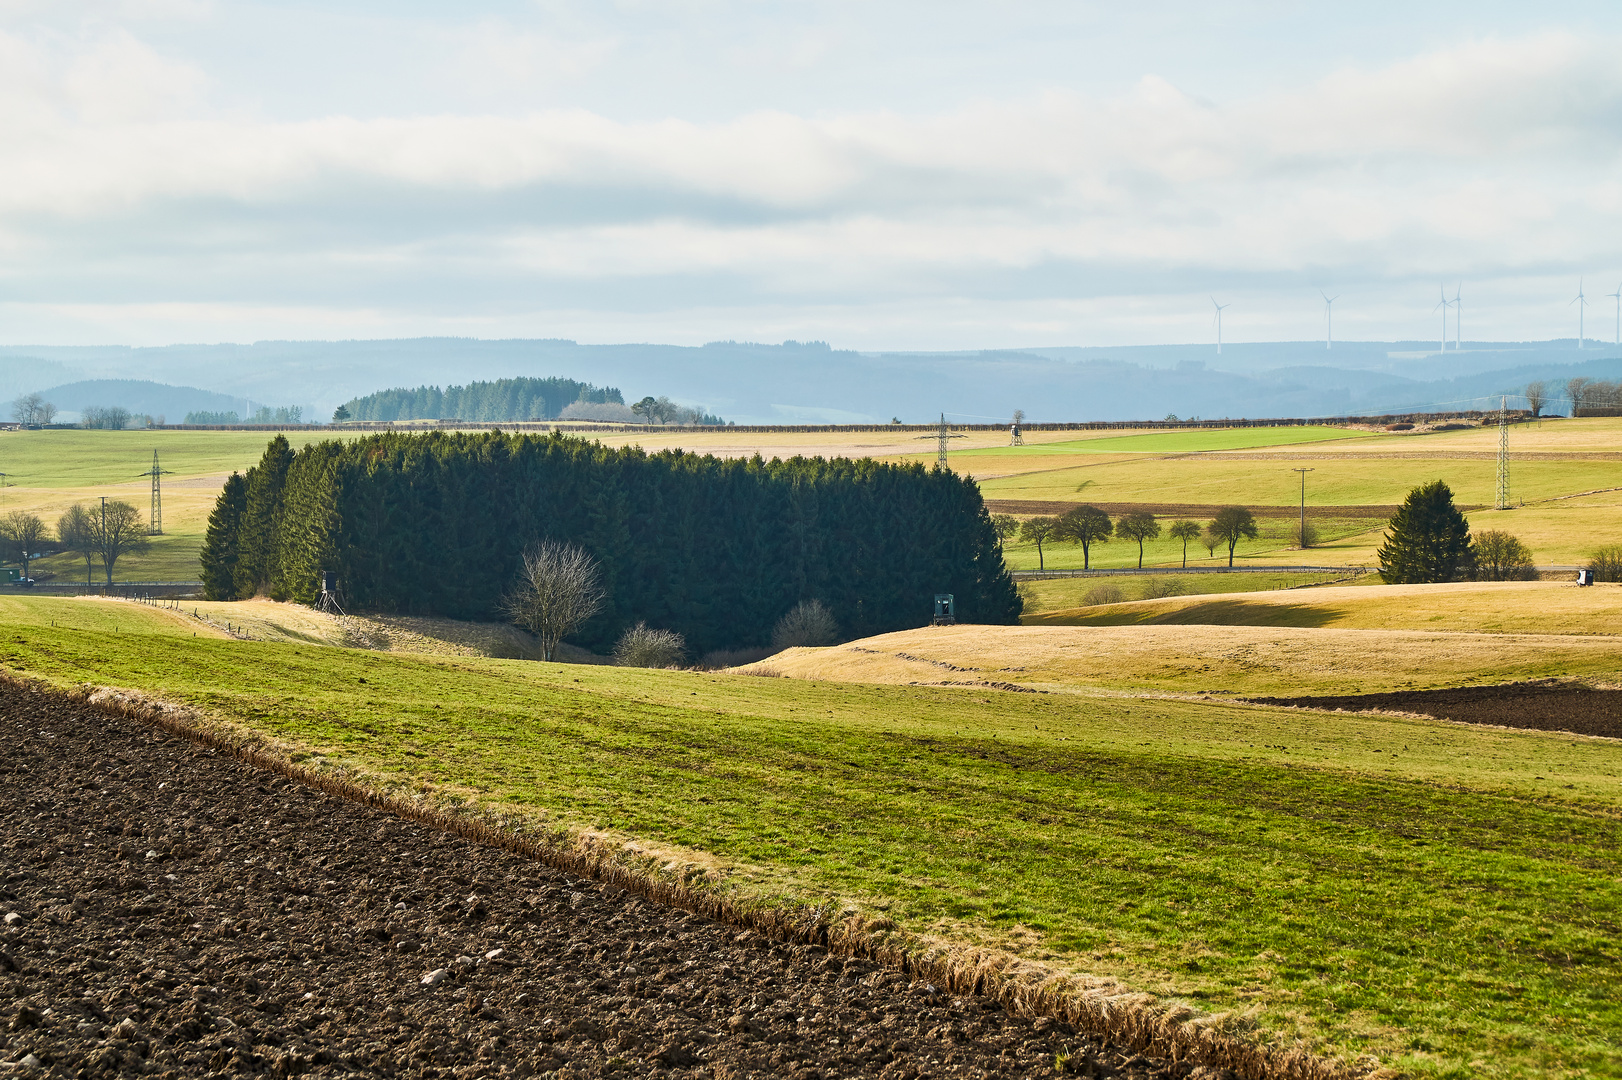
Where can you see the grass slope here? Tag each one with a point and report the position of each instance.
(1371, 884)
(1516, 607)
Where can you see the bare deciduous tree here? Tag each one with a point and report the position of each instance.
(1006, 525)
(1038, 531)
(1501, 557)
(644, 646)
(1577, 391)
(808, 624)
(1138, 526)
(74, 533)
(1231, 525)
(1535, 394)
(1606, 563)
(1087, 526)
(32, 410)
(23, 534)
(1185, 531)
(559, 587)
(116, 529)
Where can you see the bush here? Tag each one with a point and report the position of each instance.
(1399, 427)
(1501, 557)
(1606, 563)
(1157, 588)
(1103, 594)
(643, 646)
(808, 624)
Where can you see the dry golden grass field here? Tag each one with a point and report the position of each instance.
(1263, 647)
(1515, 607)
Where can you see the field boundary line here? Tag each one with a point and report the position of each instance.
(1101, 1006)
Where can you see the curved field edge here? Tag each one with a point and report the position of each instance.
(1336, 906)
(1104, 1007)
(1498, 607)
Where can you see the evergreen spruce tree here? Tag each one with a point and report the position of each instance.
(1429, 539)
(220, 542)
(261, 520)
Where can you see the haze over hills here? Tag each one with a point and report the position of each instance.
(793, 382)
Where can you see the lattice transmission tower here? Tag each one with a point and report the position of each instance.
(155, 527)
(1503, 454)
(942, 434)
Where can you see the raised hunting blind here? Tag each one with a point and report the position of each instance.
(945, 610)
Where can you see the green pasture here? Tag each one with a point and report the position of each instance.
(1058, 594)
(1413, 889)
(1177, 442)
(71, 458)
(1276, 539)
(1333, 482)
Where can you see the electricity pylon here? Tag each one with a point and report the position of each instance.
(155, 528)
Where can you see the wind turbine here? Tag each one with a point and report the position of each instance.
(1329, 318)
(1444, 303)
(1458, 317)
(1617, 296)
(1219, 308)
(1581, 301)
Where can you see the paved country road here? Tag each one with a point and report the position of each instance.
(172, 911)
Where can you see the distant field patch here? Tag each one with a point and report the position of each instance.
(1185, 441)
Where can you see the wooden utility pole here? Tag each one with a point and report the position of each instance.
(1303, 472)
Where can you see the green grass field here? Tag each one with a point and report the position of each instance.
(1178, 442)
(1413, 889)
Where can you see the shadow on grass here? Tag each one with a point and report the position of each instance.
(1208, 613)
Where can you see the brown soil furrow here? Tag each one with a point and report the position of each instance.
(181, 912)
(1551, 706)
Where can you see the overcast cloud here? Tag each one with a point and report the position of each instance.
(897, 176)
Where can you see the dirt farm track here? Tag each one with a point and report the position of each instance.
(172, 911)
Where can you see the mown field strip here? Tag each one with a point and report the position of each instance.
(1351, 881)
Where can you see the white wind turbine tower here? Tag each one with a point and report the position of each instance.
(1443, 304)
(1219, 308)
(1329, 318)
(1617, 296)
(1581, 301)
(1458, 317)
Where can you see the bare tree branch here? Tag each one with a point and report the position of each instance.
(559, 587)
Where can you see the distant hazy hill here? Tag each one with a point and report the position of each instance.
(140, 396)
(812, 383)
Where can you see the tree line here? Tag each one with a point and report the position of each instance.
(1581, 391)
(1087, 526)
(265, 414)
(100, 531)
(503, 399)
(717, 551)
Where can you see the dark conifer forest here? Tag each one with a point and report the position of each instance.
(501, 400)
(718, 550)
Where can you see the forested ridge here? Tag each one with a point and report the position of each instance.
(503, 399)
(718, 550)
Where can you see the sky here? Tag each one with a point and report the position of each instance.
(879, 175)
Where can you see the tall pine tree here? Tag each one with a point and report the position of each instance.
(1429, 539)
